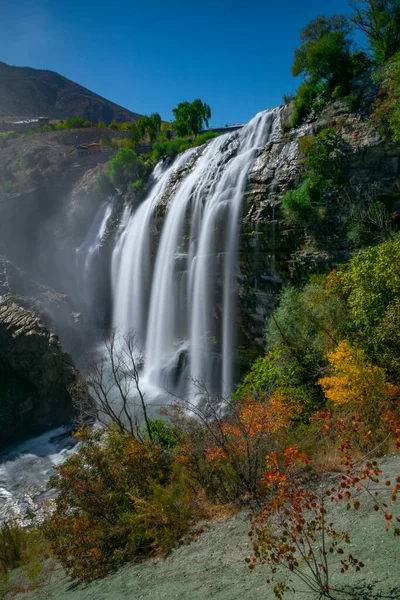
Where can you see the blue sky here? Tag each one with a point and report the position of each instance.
(149, 55)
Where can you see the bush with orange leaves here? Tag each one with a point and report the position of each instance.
(224, 449)
(295, 534)
(357, 385)
(118, 498)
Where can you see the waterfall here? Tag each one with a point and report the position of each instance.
(182, 303)
(131, 264)
(87, 257)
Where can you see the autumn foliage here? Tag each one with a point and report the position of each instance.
(355, 383)
(118, 499)
(294, 530)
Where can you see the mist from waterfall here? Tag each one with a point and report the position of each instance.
(177, 291)
(87, 259)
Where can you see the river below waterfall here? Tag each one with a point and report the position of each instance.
(25, 469)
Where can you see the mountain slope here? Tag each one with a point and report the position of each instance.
(27, 92)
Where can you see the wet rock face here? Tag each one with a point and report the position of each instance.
(54, 309)
(35, 374)
(275, 253)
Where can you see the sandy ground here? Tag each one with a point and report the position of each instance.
(213, 565)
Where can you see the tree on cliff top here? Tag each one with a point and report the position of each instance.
(190, 117)
(379, 20)
(325, 53)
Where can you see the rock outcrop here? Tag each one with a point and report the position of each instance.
(274, 252)
(35, 375)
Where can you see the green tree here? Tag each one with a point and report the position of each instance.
(379, 20)
(325, 54)
(190, 117)
(125, 167)
(147, 127)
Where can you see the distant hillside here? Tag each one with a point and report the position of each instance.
(26, 92)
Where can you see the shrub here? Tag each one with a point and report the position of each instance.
(368, 220)
(369, 286)
(224, 446)
(22, 546)
(163, 434)
(387, 106)
(173, 147)
(288, 98)
(324, 158)
(202, 138)
(106, 141)
(299, 204)
(170, 148)
(13, 543)
(117, 498)
(371, 282)
(163, 519)
(304, 327)
(306, 94)
(357, 384)
(10, 187)
(259, 381)
(126, 167)
(76, 123)
(296, 529)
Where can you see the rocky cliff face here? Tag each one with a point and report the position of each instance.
(274, 252)
(35, 375)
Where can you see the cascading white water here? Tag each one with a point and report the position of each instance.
(87, 256)
(183, 308)
(131, 264)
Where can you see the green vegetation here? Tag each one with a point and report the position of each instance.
(323, 170)
(73, 123)
(299, 204)
(148, 127)
(10, 187)
(128, 499)
(325, 51)
(387, 106)
(172, 148)
(330, 372)
(28, 550)
(358, 303)
(126, 167)
(327, 61)
(328, 58)
(379, 21)
(190, 117)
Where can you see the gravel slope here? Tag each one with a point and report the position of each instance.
(213, 566)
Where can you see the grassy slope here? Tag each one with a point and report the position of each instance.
(213, 565)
